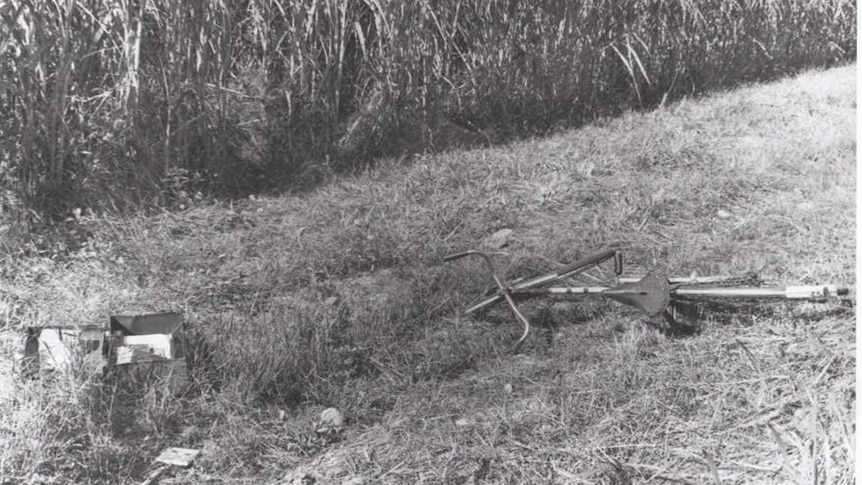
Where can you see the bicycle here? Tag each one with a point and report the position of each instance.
(653, 294)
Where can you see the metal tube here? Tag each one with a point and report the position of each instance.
(731, 292)
(593, 260)
(790, 292)
(483, 304)
(564, 272)
(568, 290)
(505, 292)
(679, 279)
(520, 287)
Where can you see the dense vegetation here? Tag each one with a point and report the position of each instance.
(118, 104)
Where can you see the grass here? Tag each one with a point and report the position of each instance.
(159, 105)
(338, 297)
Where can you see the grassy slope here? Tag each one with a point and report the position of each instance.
(338, 297)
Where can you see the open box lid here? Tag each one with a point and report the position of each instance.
(165, 323)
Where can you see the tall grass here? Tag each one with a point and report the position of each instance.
(110, 104)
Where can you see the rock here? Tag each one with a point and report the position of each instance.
(356, 481)
(331, 418)
(722, 214)
(499, 239)
(463, 422)
(299, 476)
(190, 432)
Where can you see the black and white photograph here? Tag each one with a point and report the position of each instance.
(432, 242)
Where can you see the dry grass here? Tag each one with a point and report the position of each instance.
(338, 297)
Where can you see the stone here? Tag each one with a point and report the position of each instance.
(463, 422)
(299, 476)
(356, 481)
(331, 418)
(500, 239)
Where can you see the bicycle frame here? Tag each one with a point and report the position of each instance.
(651, 294)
